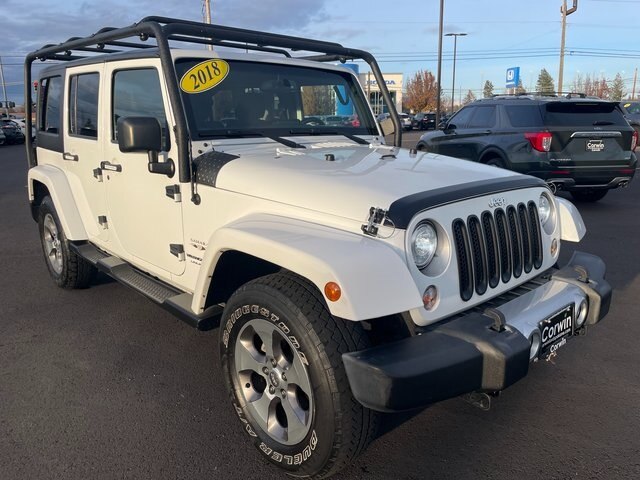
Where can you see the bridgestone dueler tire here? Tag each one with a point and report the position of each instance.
(341, 428)
(76, 271)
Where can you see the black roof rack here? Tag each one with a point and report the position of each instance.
(541, 94)
(158, 32)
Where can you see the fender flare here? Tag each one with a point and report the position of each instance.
(60, 191)
(572, 227)
(374, 278)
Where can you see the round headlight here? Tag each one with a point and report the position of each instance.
(544, 208)
(424, 244)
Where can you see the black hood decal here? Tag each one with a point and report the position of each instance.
(404, 209)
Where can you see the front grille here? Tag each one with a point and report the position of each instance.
(497, 246)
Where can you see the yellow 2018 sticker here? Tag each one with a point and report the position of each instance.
(204, 76)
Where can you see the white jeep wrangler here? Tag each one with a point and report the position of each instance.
(253, 192)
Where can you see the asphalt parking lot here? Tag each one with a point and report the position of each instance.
(102, 384)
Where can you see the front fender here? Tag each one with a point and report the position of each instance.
(60, 191)
(374, 279)
(572, 227)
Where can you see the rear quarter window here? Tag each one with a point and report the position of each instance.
(583, 114)
(524, 115)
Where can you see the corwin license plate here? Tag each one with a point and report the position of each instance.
(555, 330)
(595, 145)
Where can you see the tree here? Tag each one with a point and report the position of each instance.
(422, 92)
(487, 91)
(468, 98)
(318, 100)
(544, 84)
(617, 88)
(520, 89)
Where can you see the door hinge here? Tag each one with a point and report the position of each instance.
(173, 191)
(177, 250)
(102, 220)
(97, 174)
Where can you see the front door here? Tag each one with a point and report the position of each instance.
(144, 222)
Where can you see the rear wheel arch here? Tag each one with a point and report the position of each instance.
(39, 191)
(495, 157)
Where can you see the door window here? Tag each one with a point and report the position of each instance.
(137, 93)
(51, 99)
(462, 117)
(83, 105)
(483, 117)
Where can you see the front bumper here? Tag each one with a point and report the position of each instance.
(478, 351)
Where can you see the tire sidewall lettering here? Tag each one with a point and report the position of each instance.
(252, 311)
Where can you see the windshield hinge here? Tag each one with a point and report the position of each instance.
(375, 220)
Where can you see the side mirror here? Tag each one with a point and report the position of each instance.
(449, 127)
(144, 134)
(387, 127)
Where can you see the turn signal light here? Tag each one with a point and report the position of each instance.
(634, 140)
(430, 297)
(540, 141)
(332, 291)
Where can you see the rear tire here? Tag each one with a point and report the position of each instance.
(307, 423)
(67, 269)
(497, 162)
(592, 195)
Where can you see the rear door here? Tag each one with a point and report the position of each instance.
(474, 137)
(84, 146)
(587, 134)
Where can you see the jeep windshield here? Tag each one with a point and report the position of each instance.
(234, 98)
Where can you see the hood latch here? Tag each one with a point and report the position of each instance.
(375, 220)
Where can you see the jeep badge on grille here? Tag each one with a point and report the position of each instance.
(497, 202)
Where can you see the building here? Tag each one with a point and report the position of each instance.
(369, 84)
(394, 83)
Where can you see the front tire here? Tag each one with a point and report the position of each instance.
(590, 195)
(281, 356)
(66, 269)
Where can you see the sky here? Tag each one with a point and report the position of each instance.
(602, 35)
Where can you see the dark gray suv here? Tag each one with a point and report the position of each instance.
(582, 145)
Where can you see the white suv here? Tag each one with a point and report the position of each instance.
(345, 277)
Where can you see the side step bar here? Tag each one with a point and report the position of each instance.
(169, 298)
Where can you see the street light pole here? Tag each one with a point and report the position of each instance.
(564, 11)
(439, 79)
(4, 90)
(207, 17)
(453, 82)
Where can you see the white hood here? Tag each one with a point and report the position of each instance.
(360, 177)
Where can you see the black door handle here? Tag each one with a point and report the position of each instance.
(70, 156)
(112, 167)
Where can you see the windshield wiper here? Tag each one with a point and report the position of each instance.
(602, 122)
(313, 131)
(249, 134)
